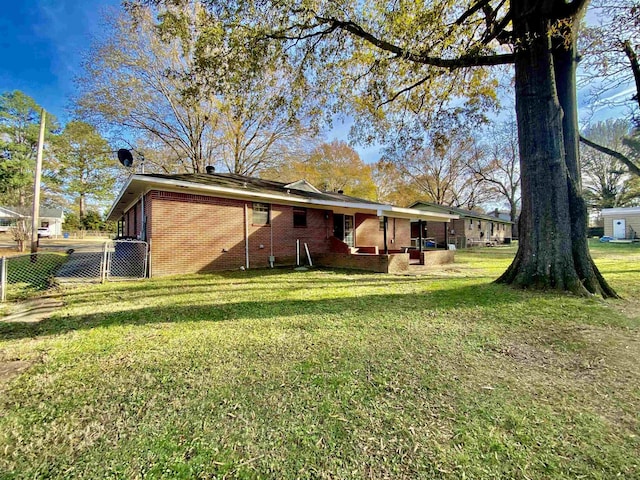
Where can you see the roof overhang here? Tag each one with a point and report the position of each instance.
(5, 212)
(138, 185)
(471, 215)
(621, 211)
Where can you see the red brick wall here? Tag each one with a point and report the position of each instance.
(369, 234)
(436, 230)
(196, 233)
(133, 218)
(147, 213)
(395, 263)
(402, 232)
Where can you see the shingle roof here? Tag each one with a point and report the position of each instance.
(229, 185)
(258, 185)
(43, 211)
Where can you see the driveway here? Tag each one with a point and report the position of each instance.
(83, 263)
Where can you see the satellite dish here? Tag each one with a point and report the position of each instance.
(125, 157)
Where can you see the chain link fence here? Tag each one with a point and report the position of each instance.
(23, 275)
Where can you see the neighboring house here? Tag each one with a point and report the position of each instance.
(8, 219)
(470, 229)
(621, 223)
(203, 222)
(504, 215)
(51, 218)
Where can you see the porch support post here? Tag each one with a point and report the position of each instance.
(3, 279)
(246, 235)
(446, 235)
(420, 227)
(384, 230)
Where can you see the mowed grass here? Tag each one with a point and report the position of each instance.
(329, 374)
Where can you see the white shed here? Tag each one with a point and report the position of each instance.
(622, 223)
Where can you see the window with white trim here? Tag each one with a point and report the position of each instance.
(261, 213)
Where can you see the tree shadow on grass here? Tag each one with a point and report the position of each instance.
(248, 282)
(363, 307)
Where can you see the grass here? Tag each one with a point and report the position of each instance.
(28, 274)
(329, 374)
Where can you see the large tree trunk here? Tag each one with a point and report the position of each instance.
(82, 206)
(565, 61)
(552, 251)
(513, 208)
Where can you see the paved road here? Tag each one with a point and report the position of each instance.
(58, 243)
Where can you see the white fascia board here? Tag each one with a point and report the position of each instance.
(120, 195)
(225, 192)
(415, 214)
(620, 211)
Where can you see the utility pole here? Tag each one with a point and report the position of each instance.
(36, 186)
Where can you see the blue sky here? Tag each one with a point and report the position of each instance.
(43, 43)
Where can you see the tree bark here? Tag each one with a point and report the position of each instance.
(565, 62)
(635, 66)
(81, 206)
(513, 210)
(552, 251)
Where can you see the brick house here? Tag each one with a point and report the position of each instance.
(469, 229)
(215, 221)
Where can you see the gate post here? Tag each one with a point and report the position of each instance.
(103, 264)
(3, 279)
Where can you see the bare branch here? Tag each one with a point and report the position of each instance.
(406, 89)
(478, 6)
(635, 67)
(617, 155)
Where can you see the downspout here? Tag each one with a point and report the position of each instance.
(420, 241)
(271, 257)
(446, 235)
(143, 234)
(246, 235)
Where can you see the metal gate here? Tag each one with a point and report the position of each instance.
(127, 259)
(22, 275)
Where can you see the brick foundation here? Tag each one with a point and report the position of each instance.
(437, 257)
(392, 263)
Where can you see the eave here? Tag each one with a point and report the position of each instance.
(138, 185)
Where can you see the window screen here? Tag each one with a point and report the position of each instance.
(261, 213)
(300, 217)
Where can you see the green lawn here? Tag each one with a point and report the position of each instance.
(28, 274)
(329, 374)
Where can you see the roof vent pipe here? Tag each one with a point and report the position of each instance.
(210, 169)
(340, 192)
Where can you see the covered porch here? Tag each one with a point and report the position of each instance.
(381, 241)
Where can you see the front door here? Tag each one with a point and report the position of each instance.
(348, 230)
(619, 228)
(343, 228)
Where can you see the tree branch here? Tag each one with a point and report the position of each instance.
(617, 155)
(635, 67)
(481, 4)
(560, 10)
(406, 89)
(450, 63)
